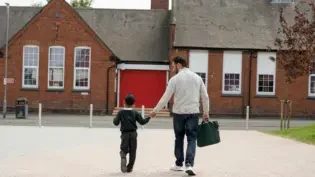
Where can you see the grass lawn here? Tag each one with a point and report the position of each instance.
(303, 134)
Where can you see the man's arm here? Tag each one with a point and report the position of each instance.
(116, 120)
(204, 98)
(142, 120)
(170, 89)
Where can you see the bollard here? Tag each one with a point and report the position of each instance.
(290, 113)
(142, 112)
(40, 114)
(91, 115)
(247, 116)
(281, 114)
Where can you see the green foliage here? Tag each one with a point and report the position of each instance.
(296, 47)
(73, 3)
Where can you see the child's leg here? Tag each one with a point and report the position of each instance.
(132, 150)
(124, 147)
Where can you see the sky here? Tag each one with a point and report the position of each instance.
(107, 4)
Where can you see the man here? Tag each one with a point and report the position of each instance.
(187, 88)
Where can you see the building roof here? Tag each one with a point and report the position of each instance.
(238, 24)
(133, 35)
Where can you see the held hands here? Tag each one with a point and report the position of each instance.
(152, 114)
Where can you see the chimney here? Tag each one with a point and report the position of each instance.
(159, 4)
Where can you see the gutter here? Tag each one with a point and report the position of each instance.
(250, 80)
(116, 60)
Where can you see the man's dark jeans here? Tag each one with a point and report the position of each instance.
(185, 124)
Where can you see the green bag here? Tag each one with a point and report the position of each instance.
(208, 133)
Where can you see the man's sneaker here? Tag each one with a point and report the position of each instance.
(177, 168)
(123, 162)
(189, 170)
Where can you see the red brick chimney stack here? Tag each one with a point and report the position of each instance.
(159, 4)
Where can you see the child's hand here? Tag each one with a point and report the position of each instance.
(152, 114)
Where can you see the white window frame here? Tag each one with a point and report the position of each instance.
(265, 56)
(75, 68)
(63, 67)
(225, 71)
(283, 1)
(309, 86)
(201, 68)
(36, 67)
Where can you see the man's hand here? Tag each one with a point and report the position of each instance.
(152, 114)
(205, 117)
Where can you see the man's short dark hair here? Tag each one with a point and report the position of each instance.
(180, 60)
(130, 99)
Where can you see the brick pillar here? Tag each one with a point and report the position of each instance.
(159, 4)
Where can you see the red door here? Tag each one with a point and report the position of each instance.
(148, 86)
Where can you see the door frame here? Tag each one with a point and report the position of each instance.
(124, 66)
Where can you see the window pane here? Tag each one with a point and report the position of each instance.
(56, 77)
(265, 83)
(312, 78)
(56, 57)
(30, 76)
(231, 82)
(265, 77)
(81, 78)
(313, 87)
(82, 58)
(30, 56)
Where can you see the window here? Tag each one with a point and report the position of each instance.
(56, 63)
(265, 83)
(30, 66)
(198, 63)
(312, 85)
(82, 59)
(282, 1)
(266, 73)
(203, 76)
(311, 91)
(232, 69)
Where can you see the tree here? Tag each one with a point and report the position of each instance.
(81, 3)
(296, 47)
(73, 3)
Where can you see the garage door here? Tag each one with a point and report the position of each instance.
(148, 86)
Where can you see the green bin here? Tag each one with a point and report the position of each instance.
(21, 108)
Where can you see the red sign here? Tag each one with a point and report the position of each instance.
(8, 81)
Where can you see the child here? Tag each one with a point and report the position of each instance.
(128, 117)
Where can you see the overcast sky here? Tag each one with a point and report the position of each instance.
(108, 4)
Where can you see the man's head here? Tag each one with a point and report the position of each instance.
(129, 100)
(178, 63)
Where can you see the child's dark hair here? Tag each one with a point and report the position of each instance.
(180, 60)
(130, 99)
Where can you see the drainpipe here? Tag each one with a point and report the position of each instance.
(116, 60)
(250, 80)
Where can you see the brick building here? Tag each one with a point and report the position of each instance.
(59, 56)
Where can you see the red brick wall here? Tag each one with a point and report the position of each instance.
(159, 4)
(73, 32)
(260, 106)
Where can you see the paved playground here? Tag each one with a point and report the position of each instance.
(83, 152)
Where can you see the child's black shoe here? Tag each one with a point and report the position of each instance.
(123, 162)
(129, 170)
